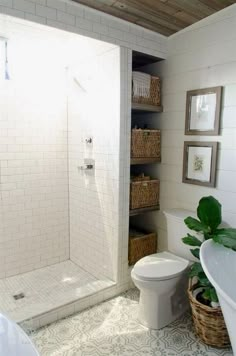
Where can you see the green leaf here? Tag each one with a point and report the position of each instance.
(196, 268)
(209, 212)
(195, 252)
(210, 294)
(194, 224)
(226, 237)
(214, 296)
(203, 280)
(191, 240)
(207, 294)
(207, 236)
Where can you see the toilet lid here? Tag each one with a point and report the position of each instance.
(158, 266)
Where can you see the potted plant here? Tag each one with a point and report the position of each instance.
(207, 316)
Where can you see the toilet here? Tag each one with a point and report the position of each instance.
(162, 278)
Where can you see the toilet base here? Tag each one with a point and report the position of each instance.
(162, 279)
(156, 313)
(162, 302)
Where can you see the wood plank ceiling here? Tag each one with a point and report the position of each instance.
(163, 16)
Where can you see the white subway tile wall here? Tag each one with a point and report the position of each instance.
(125, 131)
(34, 208)
(67, 15)
(94, 112)
(82, 20)
(34, 211)
(33, 155)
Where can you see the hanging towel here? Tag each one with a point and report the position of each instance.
(141, 84)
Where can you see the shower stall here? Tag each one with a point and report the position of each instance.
(60, 186)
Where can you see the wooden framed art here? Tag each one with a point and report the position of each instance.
(199, 163)
(203, 109)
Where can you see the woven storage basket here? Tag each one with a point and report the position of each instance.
(144, 193)
(208, 322)
(141, 245)
(145, 143)
(155, 94)
(140, 178)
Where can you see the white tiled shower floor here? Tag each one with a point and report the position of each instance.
(46, 289)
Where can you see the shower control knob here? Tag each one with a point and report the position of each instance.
(89, 166)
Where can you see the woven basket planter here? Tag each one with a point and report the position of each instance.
(155, 94)
(144, 193)
(208, 322)
(146, 143)
(141, 245)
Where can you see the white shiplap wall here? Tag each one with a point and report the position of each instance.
(201, 56)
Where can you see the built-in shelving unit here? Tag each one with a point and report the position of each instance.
(144, 108)
(144, 210)
(136, 161)
(143, 116)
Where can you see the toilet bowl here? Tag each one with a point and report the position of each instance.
(162, 278)
(162, 281)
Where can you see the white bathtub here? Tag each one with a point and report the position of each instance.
(219, 264)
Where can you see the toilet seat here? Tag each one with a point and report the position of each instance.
(159, 266)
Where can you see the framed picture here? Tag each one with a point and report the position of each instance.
(199, 163)
(203, 108)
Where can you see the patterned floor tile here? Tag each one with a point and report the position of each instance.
(112, 329)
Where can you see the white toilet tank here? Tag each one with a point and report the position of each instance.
(176, 229)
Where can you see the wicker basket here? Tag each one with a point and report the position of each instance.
(146, 143)
(208, 322)
(155, 94)
(141, 244)
(140, 178)
(144, 193)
